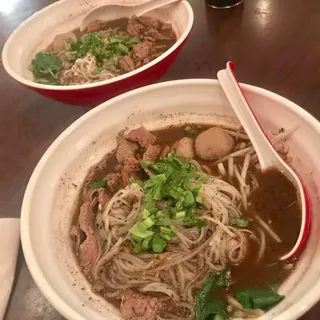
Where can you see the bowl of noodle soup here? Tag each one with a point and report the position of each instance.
(56, 60)
(219, 242)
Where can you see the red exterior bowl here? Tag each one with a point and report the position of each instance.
(38, 31)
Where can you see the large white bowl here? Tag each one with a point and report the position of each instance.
(50, 196)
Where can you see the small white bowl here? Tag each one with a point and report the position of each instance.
(51, 193)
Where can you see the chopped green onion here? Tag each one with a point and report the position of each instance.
(145, 213)
(99, 184)
(160, 215)
(123, 48)
(180, 214)
(158, 243)
(165, 230)
(146, 243)
(188, 198)
(140, 230)
(199, 199)
(148, 222)
(137, 247)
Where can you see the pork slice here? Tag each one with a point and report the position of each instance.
(126, 151)
(135, 306)
(88, 251)
(154, 33)
(143, 49)
(127, 63)
(152, 153)
(142, 136)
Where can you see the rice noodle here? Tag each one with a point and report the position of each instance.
(266, 227)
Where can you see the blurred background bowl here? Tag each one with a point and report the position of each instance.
(51, 195)
(38, 31)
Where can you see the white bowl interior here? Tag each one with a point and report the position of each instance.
(37, 32)
(50, 196)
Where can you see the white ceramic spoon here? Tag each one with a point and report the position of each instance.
(267, 155)
(115, 11)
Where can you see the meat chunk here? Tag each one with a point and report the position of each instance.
(135, 306)
(94, 26)
(59, 41)
(184, 148)
(147, 20)
(126, 151)
(113, 180)
(152, 153)
(128, 170)
(213, 143)
(127, 63)
(143, 49)
(88, 251)
(134, 27)
(142, 136)
(154, 33)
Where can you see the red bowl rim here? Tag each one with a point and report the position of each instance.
(32, 84)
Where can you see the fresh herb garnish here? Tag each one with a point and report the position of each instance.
(45, 67)
(214, 308)
(172, 194)
(239, 222)
(103, 46)
(263, 299)
(99, 184)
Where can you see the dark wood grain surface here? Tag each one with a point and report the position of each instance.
(275, 43)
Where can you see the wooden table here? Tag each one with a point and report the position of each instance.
(275, 43)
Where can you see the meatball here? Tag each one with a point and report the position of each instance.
(184, 148)
(213, 143)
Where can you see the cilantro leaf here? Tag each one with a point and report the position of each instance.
(45, 67)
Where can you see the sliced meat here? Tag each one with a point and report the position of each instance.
(142, 136)
(103, 197)
(143, 49)
(135, 306)
(88, 251)
(126, 151)
(134, 27)
(127, 63)
(114, 181)
(59, 41)
(152, 153)
(184, 148)
(147, 20)
(94, 26)
(213, 143)
(154, 33)
(128, 170)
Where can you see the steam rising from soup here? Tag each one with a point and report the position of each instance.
(181, 224)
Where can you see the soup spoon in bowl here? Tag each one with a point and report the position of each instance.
(267, 155)
(116, 11)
